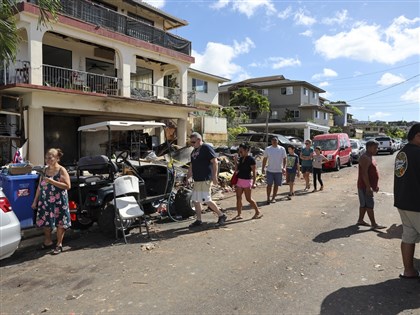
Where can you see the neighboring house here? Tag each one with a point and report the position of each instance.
(368, 128)
(205, 87)
(293, 103)
(101, 60)
(341, 120)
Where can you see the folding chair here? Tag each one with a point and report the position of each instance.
(126, 194)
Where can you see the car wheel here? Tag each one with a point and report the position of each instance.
(337, 165)
(350, 162)
(81, 223)
(107, 221)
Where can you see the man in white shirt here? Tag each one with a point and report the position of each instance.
(276, 156)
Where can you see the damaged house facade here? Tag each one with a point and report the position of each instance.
(101, 60)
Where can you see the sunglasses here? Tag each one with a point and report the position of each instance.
(192, 142)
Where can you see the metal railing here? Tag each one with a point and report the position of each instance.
(150, 92)
(18, 72)
(80, 80)
(96, 14)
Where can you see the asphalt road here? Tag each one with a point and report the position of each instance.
(305, 256)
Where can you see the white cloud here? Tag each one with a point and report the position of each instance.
(285, 13)
(280, 62)
(156, 3)
(301, 18)
(412, 95)
(379, 115)
(390, 79)
(339, 18)
(323, 84)
(326, 73)
(247, 7)
(307, 33)
(218, 59)
(372, 43)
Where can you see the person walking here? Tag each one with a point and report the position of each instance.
(407, 200)
(51, 201)
(203, 170)
(318, 160)
(306, 156)
(367, 183)
(276, 157)
(292, 169)
(245, 165)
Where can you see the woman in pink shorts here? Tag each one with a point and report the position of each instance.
(245, 167)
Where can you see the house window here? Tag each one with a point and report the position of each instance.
(200, 85)
(313, 94)
(263, 92)
(286, 90)
(325, 116)
(295, 113)
(305, 91)
(316, 114)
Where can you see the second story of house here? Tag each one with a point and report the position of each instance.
(290, 100)
(107, 48)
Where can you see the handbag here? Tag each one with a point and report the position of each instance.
(234, 179)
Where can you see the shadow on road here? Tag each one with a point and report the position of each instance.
(389, 297)
(339, 233)
(394, 231)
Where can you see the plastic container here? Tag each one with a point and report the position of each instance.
(20, 190)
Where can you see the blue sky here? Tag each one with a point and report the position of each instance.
(366, 53)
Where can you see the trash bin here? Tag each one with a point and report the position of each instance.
(20, 190)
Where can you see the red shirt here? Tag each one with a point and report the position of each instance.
(373, 175)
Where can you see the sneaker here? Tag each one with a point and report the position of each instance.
(195, 224)
(222, 220)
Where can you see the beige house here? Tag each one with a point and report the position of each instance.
(101, 60)
(294, 104)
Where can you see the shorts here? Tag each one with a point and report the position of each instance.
(411, 226)
(244, 183)
(290, 177)
(201, 191)
(275, 178)
(306, 169)
(365, 200)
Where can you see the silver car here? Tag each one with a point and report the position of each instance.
(357, 149)
(9, 228)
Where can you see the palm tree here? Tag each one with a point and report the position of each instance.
(9, 38)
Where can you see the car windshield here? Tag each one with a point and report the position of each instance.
(353, 144)
(283, 139)
(326, 145)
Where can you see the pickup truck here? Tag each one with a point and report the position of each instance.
(385, 145)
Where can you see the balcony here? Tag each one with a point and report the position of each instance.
(114, 21)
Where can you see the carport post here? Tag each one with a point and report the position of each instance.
(307, 133)
(109, 142)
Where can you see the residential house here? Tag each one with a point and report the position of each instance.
(101, 60)
(294, 104)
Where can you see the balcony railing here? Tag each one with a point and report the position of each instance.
(112, 20)
(80, 80)
(17, 72)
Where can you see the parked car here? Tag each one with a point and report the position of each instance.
(9, 228)
(336, 147)
(385, 144)
(259, 141)
(298, 142)
(357, 149)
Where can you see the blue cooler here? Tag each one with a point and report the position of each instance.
(20, 190)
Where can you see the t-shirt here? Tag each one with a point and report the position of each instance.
(373, 175)
(275, 157)
(200, 162)
(317, 160)
(407, 178)
(291, 163)
(245, 167)
(307, 152)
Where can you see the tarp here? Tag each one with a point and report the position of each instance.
(118, 125)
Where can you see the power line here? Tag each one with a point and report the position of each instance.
(387, 88)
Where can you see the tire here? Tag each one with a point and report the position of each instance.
(350, 162)
(183, 203)
(107, 221)
(81, 223)
(337, 165)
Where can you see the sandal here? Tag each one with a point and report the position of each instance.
(257, 216)
(238, 217)
(363, 223)
(57, 250)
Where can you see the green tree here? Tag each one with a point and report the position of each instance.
(250, 99)
(9, 38)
